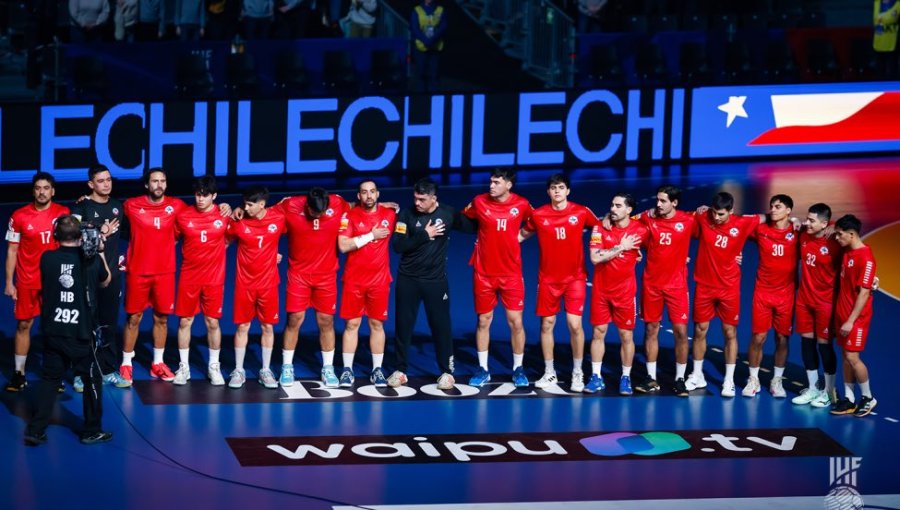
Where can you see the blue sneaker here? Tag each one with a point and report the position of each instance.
(286, 379)
(347, 378)
(595, 384)
(625, 385)
(519, 379)
(377, 378)
(115, 379)
(480, 378)
(78, 384)
(328, 377)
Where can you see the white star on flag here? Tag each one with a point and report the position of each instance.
(734, 108)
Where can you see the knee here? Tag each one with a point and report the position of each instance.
(547, 324)
(651, 329)
(325, 321)
(134, 320)
(701, 328)
(376, 325)
(24, 326)
(185, 322)
(484, 320)
(294, 320)
(352, 325)
(267, 329)
(160, 320)
(212, 324)
(599, 333)
(243, 328)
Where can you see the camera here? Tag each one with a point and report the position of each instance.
(91, 242)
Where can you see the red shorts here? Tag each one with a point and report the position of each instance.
(653, 298)
(773, 309)
(142, 291)
(194, 298)
(856, 340)
(572, 293)
(371, 301)
(722, 303)
(318, 291)
(28, 303)
(621, 310)
(815, 319)
(511, 289)
(259, 303)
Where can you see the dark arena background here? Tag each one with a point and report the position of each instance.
(756, 98)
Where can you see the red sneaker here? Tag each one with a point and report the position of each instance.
(126, 372)
(161, 371)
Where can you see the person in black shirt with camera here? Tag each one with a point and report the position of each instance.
(70, 277)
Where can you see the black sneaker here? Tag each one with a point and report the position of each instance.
(843, 406)
(866, 404)
(648, 386)
(97, 437)
(32, 439)
(17, 383)
(61, 388)
(680, 389)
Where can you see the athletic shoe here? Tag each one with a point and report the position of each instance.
(519, 379)
(866, 404)
(843, 406)
(328, 377)
(377, 378)
(97, 438)
(806, 396)
(595, 384)
(182, 375)
(445, 382)
(751, 389)
(116, 380)
(161, 371)
(32, 439)
(267, 378)
(17, 382)
(680, 389)
(648, 386)
(286, 380)
(695, 381)
(127, 373)
(397, 379)
(776, 387)
(728, 389)
(824, 399)
(480, 378)
(577, 382)
(625, 385)
(61, 388)
(214, 373)
(347, 378)
(548, 379)
(237, 379)
(78, 384)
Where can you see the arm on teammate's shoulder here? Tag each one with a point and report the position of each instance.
(106, 274)
(525, 234)
(464, 223)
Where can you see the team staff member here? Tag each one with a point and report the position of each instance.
(68, 314)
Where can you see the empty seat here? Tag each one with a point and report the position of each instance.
(291, 75)
(388, 70)
(192, 76)
(604, 65)
(240, 74)
(88, 76)
(693, 64)
(338, 72)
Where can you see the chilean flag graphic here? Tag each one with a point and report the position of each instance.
(795, 119)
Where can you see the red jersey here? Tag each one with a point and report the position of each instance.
(560, 235)
(257, 250)
(497, 251)
(203, 246)
(312, 243)
(719, 246)
(32, 230)
(616, 276)
(857, 271)
(778, 253)
(151, 248)
(667, 249)
(820, 261)
(371, 264)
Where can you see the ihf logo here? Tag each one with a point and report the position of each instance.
(842, 479)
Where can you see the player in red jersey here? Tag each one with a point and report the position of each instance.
(364, 236)
(614, 254)
(820, 262)
(774, 292)
(665, 283)
(853, 315)
(30, 234)
(722, 236)
(256, 282)
(201, 285)
(497, 268)
(560, 227)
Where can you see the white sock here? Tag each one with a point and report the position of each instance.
(830, 379)
(183, 355)
(680, 369)
(548, 367)
(626, 371)
(20, 363)
(865, 389)
(651, 369)
(328, 358)
(698, 367)
(348, 359)
(287, 356)
(596, 366)
(813, 377)
(483, 359)
(158, 355)
(214, 355)
(126, 358)
(377, 360)
(517, 360)
(754, 372)
(729, 372)
(577, 363)
(266, 357)
(848, 392)
(779, 371)
(239, 353)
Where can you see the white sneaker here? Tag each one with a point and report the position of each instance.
(806, 396)
(214, 373)
(397, 379)
(577, 382)
(824, 399)
(695, 381)
(750, 390)
(237, 379)
(183, 375)
(547, 380)
(776, 387)
(445, 382)
(267, 378)
(728, 389)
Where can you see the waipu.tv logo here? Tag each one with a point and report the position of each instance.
(648, 444)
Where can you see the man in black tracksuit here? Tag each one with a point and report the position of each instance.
(69, 282)
(421, 237)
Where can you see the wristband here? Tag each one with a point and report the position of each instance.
(363, 240)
